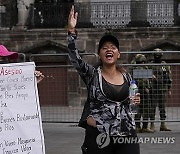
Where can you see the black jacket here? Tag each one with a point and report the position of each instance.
(97, 102)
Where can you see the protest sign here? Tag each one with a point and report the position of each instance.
(20, 118)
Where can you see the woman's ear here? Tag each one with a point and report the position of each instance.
(118, 55)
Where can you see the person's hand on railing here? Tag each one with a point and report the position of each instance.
(72, 20)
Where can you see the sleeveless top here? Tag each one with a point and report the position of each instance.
(115, 92)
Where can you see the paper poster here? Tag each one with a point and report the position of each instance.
(20, 118)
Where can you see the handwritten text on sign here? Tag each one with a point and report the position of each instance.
(20, 117)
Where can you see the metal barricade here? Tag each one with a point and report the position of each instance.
(159, 92)
(62, 93)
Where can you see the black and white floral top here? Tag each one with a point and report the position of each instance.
(112, 117)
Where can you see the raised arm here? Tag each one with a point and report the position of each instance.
(85, 70)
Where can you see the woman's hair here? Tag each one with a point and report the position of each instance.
(121, 69)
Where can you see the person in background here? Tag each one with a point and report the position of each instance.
(143, 86)
(107, 109)
(7, 56)
(161, 85)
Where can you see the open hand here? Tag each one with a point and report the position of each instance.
(72, 20)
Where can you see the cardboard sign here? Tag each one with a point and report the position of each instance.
(20, 118)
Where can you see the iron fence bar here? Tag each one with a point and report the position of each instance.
(61, 54)
(56, 66)
(147, 52)
(23, 55)
(95, 54)
(156, 121)
(152, 64)
(60, 121)
(147, 64)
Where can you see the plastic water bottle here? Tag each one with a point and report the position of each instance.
(133, 89)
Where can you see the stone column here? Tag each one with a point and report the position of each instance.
(23, 12)
(84, 10)
(138, 13)
(177, 12)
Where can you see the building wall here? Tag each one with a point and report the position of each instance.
(129, 38)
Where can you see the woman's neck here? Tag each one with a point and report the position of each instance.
(112, 75)
(110, 70)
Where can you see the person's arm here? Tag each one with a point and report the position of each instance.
(85, 70)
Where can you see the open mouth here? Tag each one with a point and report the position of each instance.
(109, 55)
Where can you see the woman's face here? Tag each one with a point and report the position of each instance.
(109, 53)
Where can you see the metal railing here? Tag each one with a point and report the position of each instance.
(60, 104)
(62, 92)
